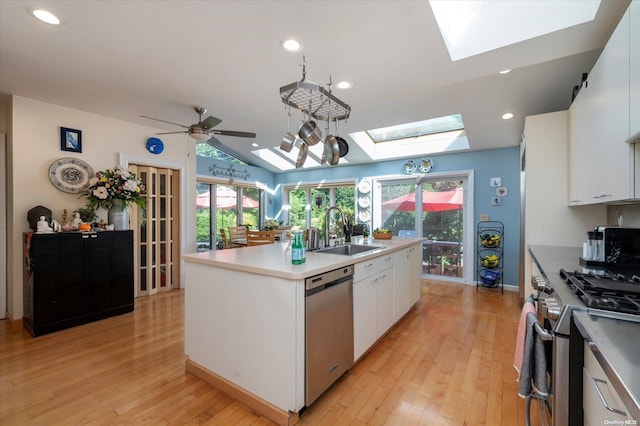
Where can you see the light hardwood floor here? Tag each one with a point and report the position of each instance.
(447, 362)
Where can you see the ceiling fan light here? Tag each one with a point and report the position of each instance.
(200, 135)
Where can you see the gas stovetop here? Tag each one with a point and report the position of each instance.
(608, 290)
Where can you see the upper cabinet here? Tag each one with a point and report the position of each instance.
(634, 49)
(601, 164)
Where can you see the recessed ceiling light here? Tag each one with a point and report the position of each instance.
(254, 144)
(343, 85)
(505, 71)
(507, 116)
(46, 16)
(291, 45)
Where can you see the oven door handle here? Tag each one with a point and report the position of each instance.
(604, 402)
(544, 334)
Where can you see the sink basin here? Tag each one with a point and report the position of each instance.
(348, 249)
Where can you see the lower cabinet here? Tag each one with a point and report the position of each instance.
(75, 278)
(406, 280)
(601, 403)
(372, 310)
(384, 289)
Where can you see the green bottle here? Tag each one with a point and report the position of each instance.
(298, 251)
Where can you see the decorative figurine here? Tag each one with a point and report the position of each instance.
(77, 221)
(43, 226)
(56, 226)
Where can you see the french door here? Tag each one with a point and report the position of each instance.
(434, 207)
(158, 231)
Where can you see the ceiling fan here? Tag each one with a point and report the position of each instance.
(203, 129)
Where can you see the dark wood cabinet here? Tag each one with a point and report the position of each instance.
(76, 278)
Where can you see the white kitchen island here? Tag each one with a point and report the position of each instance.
(245, 316)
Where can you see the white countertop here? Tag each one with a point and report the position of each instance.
(275, 259)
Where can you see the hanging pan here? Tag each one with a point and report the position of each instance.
(342, 143)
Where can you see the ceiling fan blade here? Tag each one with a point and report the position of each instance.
(170, 133)
(165, 121)
(234, 133)
(210, 122)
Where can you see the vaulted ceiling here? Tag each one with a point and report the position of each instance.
(124, 59)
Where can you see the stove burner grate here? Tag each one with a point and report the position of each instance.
(606, 290)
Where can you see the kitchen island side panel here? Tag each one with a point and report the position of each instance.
(248, 329)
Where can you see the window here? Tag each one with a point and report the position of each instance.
(307, 205)
(232, 205)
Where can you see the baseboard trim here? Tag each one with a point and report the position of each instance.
(270, 411)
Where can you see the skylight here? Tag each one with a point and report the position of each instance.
(206, 150)
(432, 136)
(471, 27)
(417, 128)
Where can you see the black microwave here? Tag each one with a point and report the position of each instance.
(621, 246)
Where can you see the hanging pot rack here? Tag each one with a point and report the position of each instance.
(314, 100)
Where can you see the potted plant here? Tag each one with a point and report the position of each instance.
(87, 214)
(271, 224)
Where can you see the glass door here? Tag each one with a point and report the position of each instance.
(443, 226)
(434, 208)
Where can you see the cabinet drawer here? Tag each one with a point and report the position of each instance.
(372, 266)
(598, 394)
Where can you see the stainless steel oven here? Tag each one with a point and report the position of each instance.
(601, 289)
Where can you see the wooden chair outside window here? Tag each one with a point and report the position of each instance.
(226, 241)
(238, 235)
(257, 238)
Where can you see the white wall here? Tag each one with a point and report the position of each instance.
(35, 145)
(548, 219)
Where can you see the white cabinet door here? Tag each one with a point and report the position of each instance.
(364, 315)
(407, 271)
(384, 302)
(581, 146)
(415, 271)
(599, 158)
(401, 285)
(634, 56)
(609, 88)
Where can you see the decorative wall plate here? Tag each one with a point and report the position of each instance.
(409, 167)
(70, 175)
(364, 216)
(364, 201)
(364, 186)
(426, 164)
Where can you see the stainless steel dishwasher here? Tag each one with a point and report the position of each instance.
(328, 329)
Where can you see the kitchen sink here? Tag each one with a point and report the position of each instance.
(348, 249)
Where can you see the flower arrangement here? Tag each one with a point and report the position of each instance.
(271, 224)
(115, 184)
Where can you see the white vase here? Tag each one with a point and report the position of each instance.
(119, 216)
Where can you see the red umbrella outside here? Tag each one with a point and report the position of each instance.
(431, 201)
(226, 198)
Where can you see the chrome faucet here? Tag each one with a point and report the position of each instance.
(326, 222)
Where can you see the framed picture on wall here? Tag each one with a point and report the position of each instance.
(70, 140)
